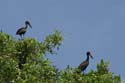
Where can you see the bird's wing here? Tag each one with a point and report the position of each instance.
(20, 30)
(83, 64)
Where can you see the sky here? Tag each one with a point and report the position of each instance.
(86, 25)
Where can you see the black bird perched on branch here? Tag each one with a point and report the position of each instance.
(22, 30)
(85, 63)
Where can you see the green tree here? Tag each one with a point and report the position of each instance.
(24, 61)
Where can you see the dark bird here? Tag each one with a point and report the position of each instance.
(85, 63)
(22, 30)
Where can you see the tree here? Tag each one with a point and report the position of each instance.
(24, 61)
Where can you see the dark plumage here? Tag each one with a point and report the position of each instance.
(22, 30)
(85, 63)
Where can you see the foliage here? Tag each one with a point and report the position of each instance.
(101, 75)
(24, 61)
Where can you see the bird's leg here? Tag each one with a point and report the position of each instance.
(23, 36)
(20, 37)
(84, 72)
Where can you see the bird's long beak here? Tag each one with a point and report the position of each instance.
(30, 25)
(91, 56)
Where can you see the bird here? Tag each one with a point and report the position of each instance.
(21, 31)
(85, 63)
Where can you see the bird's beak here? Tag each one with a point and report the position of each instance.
(91, 56)
(30, 25)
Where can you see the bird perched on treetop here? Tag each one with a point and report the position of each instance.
(85, 63)
(22, 30)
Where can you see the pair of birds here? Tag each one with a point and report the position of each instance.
(82, 66)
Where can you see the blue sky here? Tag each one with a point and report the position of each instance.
(94, 25)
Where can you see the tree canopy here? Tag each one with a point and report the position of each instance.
(24, 61)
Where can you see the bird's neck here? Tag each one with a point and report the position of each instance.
(87, 59)
(26, 26)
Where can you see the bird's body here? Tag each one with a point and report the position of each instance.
(21, 31)
(85, 63)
